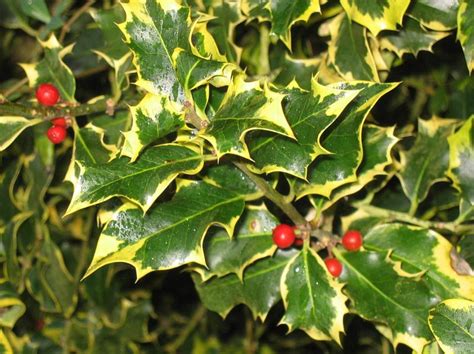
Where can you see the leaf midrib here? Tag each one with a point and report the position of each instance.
(116, 180)
(372, 285)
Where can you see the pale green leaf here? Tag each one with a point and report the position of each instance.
(11, 127)
(452, 324)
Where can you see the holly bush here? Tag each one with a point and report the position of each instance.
(194, 129)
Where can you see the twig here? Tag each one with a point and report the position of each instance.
(396, 215)
(193, 322)
(67, 26)
(48, 113)
(274, 196)
(15, 87)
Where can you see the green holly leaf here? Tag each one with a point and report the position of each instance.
(229, 177)
(461, 159)
(376, 15)
(11, 307)
(259, 289)
(107, 19)
(465, 34)
(259, 9)
(438, 16)
(158, 34)
(309, 115)
(49, 281)
(153, 118)
(349, 50)
(343, 141)
(378, 293)
(113, 126)
(285, 13)
(422, 251)
(36, 9)
(300, 70)
(141, 182)
(246, 106)
(451, 323)
(88, 149)
(312, 297)
(251, 241)
(377, 144)
(170, 234)
(52, 69)
(412, 38)
(12, 127)
(427, 161)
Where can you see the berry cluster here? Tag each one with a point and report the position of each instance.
(284, 237)
(48, 95)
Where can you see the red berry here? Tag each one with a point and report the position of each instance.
(299, 242)
(284, 235)
(56, 134)
(59, 122)
(352, 240)
(39, 325)
(47, 94)
(334, 266)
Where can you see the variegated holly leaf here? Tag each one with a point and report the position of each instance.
(259, 289)
(422, 251)
(309, 115)
(11, 307)
(451, 323)
(8, 178)
(378, 293)
(113, 126)
(343, 141)
(169, 235)
(465, 21)
(427, 160)
(349, 50)
(312, 297)
(246, 106)
(52, 69)
(49, 281)
(141, 182)
(376, 15)
(19, 225)
(412, 38)
(11, 127)
(227, 16)
(5, 344)
(461, 159)
(377, 144)
(251, 241)
(300, 70)
(153, 118)
(158, 34)
(285, 13)
(229, 177)
(438, 16)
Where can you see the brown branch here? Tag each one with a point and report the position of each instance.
(67, 26)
